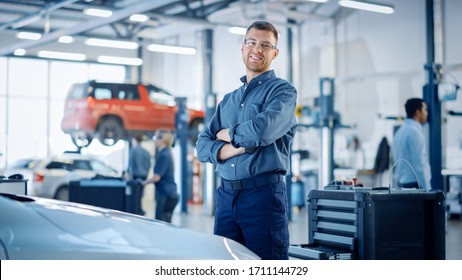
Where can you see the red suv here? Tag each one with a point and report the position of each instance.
(114, 111)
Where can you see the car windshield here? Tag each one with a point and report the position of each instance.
(77, 91)
(24, 163)
(102, 169)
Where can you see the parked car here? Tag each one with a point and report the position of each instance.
(49, 177)
(114, 111)
(39, 228)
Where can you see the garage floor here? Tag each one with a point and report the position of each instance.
(298, 227)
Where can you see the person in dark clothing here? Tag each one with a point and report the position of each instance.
(167, 196)
(249, 139)
(139, 164)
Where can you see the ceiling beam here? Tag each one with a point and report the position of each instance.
(140, 7)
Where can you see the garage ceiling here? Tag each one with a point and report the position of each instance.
(166, 18)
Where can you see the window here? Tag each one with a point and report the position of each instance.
(81, 165)
(128, 93)
(102, 93)
(162, 97)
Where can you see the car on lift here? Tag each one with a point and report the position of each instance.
(114, 111)
(49, 177)
(48, 229)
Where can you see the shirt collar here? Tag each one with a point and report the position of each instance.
(259, 78)
(413, 122)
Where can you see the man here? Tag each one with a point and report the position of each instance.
(409, 146)
(139, 163)
(249, 138)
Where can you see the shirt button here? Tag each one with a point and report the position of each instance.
(242, 104)
(232, 165)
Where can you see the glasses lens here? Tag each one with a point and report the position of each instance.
(250, 43)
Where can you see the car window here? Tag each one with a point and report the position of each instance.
(102, 93)
(160, 96)
(77, 91)
(102, 169)
(24, 163)
(127, 93)
(57, 165)
(81, 164)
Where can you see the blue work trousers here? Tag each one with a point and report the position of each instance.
(256, 218)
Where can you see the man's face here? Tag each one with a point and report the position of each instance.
(423, 113)
(259, 50)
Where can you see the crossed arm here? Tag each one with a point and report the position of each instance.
(227, 151)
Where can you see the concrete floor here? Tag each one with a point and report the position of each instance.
(298, 227)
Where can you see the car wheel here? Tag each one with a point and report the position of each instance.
(196, 126)
(110, 131)
(81, 142)
(62, 193)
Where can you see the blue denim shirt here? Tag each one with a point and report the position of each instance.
(409, 144)
(260, 116)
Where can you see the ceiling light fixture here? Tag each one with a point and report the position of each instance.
(111, 43)
(29, 35)
(171, 49)
(20, 52)
(97, 12)
(66, 39)
(139, 18)
(318, 1)
(237, 30)
(120, 60)
(61, 55)
(367, 6)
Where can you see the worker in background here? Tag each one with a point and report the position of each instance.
(139, 164)
(167, 196)
(249, 139)
(409, 146)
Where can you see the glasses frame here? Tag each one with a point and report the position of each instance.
(265, 46)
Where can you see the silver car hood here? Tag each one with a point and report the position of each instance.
(39, 228)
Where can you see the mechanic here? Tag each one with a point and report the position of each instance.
(249, 139)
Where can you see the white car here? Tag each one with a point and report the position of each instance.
(39, 228)
(50, 177)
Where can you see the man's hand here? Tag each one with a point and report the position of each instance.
(223, 135)
(228, 151)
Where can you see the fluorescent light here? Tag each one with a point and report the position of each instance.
(367, 6)
(318, 1)
(120, 60)
(237, 30)
(62, 55)
(29, 35)
(66, 39)
(97, 12)
(111, 43)
(171, 49)
(139, 18)
(20, 52)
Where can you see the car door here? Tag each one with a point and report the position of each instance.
(130, 106)
(163, 108)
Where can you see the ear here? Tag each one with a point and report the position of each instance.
(276, 53)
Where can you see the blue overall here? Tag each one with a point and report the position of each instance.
(251, 202)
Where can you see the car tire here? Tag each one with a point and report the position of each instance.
(82, 142)
(110, 131)
(62, 193)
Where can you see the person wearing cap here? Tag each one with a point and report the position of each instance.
(249, 138)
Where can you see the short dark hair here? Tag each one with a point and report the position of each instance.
(139, 137)
(412, 106)
(263, 25)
